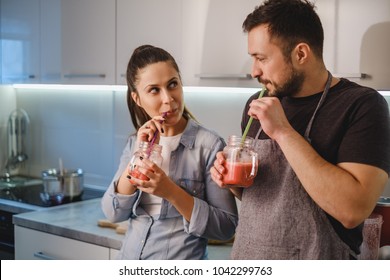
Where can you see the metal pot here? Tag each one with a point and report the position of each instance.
(63, 187)
(383, 208)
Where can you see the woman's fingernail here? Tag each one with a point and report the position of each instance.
(141, 158)
(162, 130)
(128, 177)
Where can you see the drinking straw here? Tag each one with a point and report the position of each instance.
(248, 125)
(154, 137)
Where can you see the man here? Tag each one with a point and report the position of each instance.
(322, 144)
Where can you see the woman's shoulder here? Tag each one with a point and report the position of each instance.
(205, 134)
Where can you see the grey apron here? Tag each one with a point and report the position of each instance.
(278, 219)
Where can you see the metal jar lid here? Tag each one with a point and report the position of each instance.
(383, 201)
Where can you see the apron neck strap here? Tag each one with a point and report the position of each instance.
(322, 100)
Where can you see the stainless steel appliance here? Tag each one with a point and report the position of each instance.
(26, 196)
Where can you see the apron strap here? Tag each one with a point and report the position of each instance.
(323, 96)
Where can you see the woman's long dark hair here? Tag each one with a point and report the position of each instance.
(143, 56)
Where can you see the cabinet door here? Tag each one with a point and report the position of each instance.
(357, 39)
(152, 22)
(363, 40)
(19, 50)
(88, 41)
(32, 244)
(214, 46)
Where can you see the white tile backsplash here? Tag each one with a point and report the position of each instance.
(88, 128)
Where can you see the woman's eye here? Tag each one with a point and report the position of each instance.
(173, 84)
(154, 90)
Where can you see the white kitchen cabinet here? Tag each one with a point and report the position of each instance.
(113, 253)
(214, 45)
(153, 22)
(88, 41)
(78, 41)
(19, 50)
(32, 244)
(357, 39)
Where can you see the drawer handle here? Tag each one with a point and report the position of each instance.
(43, 256)
(71, 76)
(224, 76)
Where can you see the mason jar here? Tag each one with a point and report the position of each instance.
(147, 150)
(241, 162)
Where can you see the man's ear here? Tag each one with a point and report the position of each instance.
(135, 98)
(301, 53)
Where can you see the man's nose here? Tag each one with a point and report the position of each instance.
(256, 71)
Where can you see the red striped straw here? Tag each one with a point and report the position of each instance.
(148, 152)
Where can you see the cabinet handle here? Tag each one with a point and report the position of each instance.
(71, 76)
(26, 76)
(43, 256)
(224, 76)
(351, 75)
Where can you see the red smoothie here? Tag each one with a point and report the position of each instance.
(136, 174)
(238, 173)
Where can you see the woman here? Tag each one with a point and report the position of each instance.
(173, 213)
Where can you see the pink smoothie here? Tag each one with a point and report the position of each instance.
(238, 173)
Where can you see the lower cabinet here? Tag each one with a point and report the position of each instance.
(32, 245)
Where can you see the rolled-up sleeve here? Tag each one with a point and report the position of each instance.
(119, 207)
(215, 217)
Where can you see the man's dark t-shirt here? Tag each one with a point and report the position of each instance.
(352, 125)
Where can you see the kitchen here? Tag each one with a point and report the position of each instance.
(68, 65)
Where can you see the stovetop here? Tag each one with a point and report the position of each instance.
(32, 194)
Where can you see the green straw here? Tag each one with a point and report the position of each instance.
(248, 125)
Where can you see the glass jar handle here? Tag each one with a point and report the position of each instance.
(255, 163)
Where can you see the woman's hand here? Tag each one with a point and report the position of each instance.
(146, 132)
(150, 178)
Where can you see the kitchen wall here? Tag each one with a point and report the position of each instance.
(88, 127)
(7, 105)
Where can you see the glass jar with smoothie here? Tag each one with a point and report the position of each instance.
(241, 162)
(147, 150)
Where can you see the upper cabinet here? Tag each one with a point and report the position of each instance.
(88, 41)
(78, 41)
(357, 39)
(214, 45)
(91, 41)
(58, 41)
(152, 22)
(19, 49)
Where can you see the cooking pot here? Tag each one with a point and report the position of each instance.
(62, 187)
(383, 208)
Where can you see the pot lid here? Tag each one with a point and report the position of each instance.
(383, 201)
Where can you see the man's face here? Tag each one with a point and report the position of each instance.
(270, 66)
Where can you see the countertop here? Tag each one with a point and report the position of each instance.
(76, 220)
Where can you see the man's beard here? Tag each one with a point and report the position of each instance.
(291, 87)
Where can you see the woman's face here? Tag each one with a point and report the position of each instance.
(160, 91)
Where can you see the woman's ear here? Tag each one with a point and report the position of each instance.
(135, 97)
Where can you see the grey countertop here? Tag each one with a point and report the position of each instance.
(77, 220)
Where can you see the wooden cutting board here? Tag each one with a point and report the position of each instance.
(120, 228)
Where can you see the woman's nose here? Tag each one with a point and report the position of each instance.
(166, 96)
